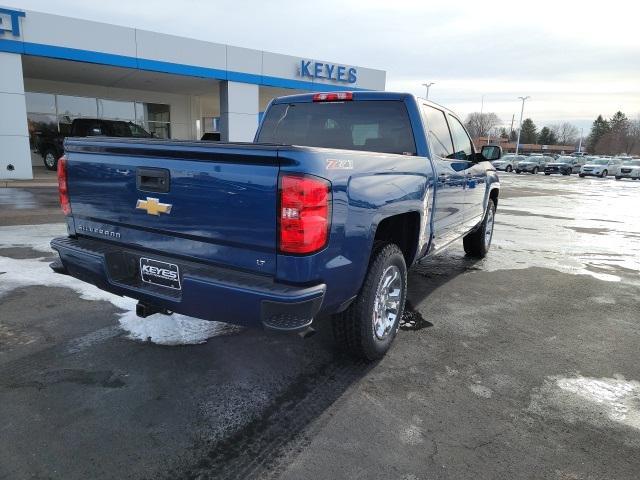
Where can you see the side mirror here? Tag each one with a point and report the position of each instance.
(491, 152)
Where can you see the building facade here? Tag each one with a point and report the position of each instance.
(55, 69)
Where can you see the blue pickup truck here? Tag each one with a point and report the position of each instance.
(318, 218)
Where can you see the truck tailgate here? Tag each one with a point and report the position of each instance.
(208, 202)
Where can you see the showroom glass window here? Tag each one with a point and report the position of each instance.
(155, 118)
(51, 115)
(41, 117)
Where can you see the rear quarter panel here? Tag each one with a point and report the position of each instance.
(372, 187)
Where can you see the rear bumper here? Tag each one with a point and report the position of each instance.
(210, 293)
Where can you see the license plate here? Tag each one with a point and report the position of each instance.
(160, 273)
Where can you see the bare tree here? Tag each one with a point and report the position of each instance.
(479, 124)
(566, 133)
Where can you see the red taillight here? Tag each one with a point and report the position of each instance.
(62, 185)
(333, 97)
(304, 213)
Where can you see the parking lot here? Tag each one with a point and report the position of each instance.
(522, 365)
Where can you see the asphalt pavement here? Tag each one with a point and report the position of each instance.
(522, 365)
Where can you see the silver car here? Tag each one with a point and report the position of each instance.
(533, 164)
(629, 169)
(600, 167)
(508, 163)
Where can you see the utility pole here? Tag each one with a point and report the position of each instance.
(580, 144)
(513, 117)
(428, 85)
(520, 129)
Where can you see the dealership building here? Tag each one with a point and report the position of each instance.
(55, 69)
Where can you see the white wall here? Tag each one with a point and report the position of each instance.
(36, 27)
(15, 160)
(239, 104)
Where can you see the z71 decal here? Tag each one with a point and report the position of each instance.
(333, 164)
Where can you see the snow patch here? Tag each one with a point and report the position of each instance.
(599, 401)
(162, 329)
(173, 329)
(37, 237)
(481, 391)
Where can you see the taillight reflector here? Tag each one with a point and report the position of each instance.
(62, 185)
(305, 207)
(333, 97)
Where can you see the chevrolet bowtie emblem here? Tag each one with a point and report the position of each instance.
(153, 206)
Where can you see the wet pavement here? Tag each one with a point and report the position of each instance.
(522, 365)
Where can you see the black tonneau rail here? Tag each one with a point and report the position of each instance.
(260, 153)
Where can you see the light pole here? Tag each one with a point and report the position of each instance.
(428, 85)
(520, 129)
(481, 105)
(580, 144)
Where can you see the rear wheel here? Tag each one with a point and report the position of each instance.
(581, 175)
(477, 243)
(517, 171)
(604, 174)
(535, 170)
(367, 328)
(546, 173)
(509, 168)
(617, 177)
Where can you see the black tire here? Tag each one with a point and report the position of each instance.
(618, 178)
(535, 170)
(354, 329)
(508, 169)
(581, 175)
(604, 174)
(475, 243)
(566, 172)
(547, 173)
(517, 171)
(50, 159)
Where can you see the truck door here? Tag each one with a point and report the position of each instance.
(476, 179)
(448, 208)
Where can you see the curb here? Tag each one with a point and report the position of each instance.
(27, 184)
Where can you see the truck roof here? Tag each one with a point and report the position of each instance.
(362, 95)
(357, 95)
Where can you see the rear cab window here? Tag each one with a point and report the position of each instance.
(367, 125)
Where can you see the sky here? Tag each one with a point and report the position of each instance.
(574, 59)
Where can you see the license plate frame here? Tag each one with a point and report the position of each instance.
(160, 273)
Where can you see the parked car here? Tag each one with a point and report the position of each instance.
(600, 167)
(533, 164)
(508, 163)
(321, 216)
(629, 169)
(564, 165)
(50, 146)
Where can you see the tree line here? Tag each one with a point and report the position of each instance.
(617, 135)
(480, 124)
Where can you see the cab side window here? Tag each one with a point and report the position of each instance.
(463, 148)
(438, 132)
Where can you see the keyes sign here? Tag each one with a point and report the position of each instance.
(328, 71)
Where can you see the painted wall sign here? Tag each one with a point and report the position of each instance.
(10, 21)
(328, 71)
